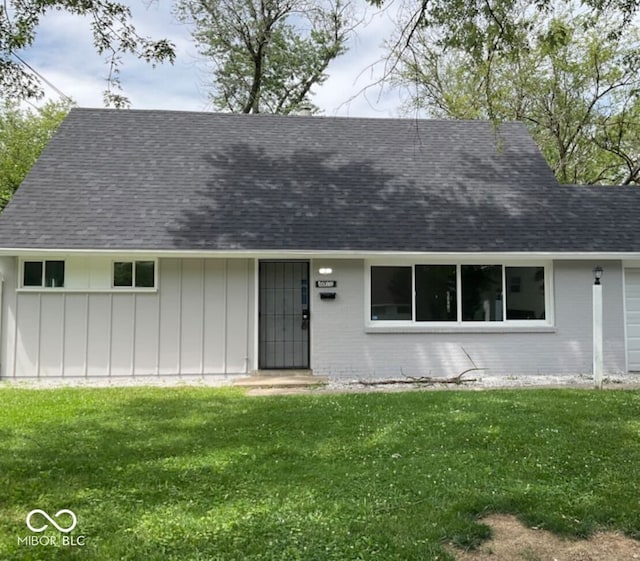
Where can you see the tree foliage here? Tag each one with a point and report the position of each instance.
(113, 36)
(573, 78)
(267, 54)
(23, 136)
(478, 26)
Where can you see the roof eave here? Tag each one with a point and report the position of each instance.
(327, 254)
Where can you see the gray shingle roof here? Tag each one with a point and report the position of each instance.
(159, 180)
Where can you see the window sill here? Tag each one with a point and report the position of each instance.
(458, 328)
(41, 290)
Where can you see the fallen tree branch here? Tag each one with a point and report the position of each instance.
(423, 379)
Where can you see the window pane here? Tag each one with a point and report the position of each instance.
(145, 274)
(525, 292)
(481, 292)
(123, 273)
(436, 293)
(32, 273)
(391, 293)
(54, 274)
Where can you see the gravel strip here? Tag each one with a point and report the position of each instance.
(335, 384)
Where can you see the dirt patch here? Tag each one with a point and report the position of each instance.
(512, 541)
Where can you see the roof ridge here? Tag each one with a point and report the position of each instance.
(290, 116)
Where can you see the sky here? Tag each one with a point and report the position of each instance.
(64, 54)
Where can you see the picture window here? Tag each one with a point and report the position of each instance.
(457, 293)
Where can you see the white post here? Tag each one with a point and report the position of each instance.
(598, 358)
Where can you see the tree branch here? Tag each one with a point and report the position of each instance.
(428, 380)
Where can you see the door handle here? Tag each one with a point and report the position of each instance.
(305, 315)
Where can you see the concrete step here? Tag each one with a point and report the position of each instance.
(281, 379)
(273, 372)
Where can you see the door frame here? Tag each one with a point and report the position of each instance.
(258, 263)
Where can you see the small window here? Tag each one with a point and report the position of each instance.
(391, 297)
(134, 274)
(49, 274)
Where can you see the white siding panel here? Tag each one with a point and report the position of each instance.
(238, 290)
(76, 272)
(214, 308)
(252, 316)
(146, 334)
(99, 335)
(9, 272)
(75, 335)
(199, 321)
(191, 344)
(52, 330)
(122, 331)
(170, 316)
(28, 335)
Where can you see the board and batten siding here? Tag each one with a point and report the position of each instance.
(342, 346)
(199, 321)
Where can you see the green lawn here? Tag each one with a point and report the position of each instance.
(193, 473)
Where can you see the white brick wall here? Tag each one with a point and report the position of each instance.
(340, 345)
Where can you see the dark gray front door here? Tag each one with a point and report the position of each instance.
(284, 314)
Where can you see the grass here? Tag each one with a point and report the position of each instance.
(202, 474)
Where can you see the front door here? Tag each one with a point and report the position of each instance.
(284, 315)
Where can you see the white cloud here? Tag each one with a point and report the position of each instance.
(64, 54)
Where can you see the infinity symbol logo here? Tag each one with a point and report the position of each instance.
(53, 522)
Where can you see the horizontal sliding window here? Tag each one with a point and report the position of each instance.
(134, 274)
(458, 293)
(48, 274)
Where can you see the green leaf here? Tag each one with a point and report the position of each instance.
(23, 136)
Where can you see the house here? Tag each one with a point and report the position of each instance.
(151, 243)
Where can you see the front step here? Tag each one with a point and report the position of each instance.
(281, 379)
(276, 372)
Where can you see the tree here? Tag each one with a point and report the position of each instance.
(113, 35)
(267, 54)
(568, 76)
(23, 136)
(477, 25)
(619, 137)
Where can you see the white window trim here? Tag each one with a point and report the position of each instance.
(107, 289)
(42, 287)
(133, 287)
(506, 325)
